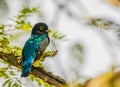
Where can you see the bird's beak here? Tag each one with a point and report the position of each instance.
(48, 30)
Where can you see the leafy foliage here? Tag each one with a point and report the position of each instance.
(55, 34)
(100, 23)
(9, 72)
(38, 63)
(7, 49)
(3, 72)
(20, 21)
(39, 81)
(10, 82)
(106, 24)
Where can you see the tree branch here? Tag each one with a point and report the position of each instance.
(37, 72)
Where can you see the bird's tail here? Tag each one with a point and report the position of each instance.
(26, 67)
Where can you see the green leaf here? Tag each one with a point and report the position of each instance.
(3, 74)
(25, 10)
(15, 85)
(47, 85)
(34, 9)
(12, 73)
(5, 41)
(6, 82)
(32, 77)
(2, 26)
(101, 23)
(20, 21)
(40, 82)
(26, 26)
(10, 84)
(55, 34)
(19, 81)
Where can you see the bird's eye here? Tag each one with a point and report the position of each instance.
(41, 28)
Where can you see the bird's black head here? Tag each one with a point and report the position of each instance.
(40, 28)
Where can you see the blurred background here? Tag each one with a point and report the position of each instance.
(88, 52)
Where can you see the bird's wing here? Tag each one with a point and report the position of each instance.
(31, 47)
(29, 50)
(28, 55)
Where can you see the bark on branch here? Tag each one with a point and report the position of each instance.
(37, 72)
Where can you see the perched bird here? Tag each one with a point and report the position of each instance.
(34, 47)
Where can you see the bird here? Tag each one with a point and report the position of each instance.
(34, 47)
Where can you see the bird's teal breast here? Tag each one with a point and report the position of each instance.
(36, 39)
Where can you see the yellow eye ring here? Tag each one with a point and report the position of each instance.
(41, 28)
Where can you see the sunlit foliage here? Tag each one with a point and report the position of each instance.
(11, 78)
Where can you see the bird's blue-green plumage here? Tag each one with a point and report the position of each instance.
(30, 50)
